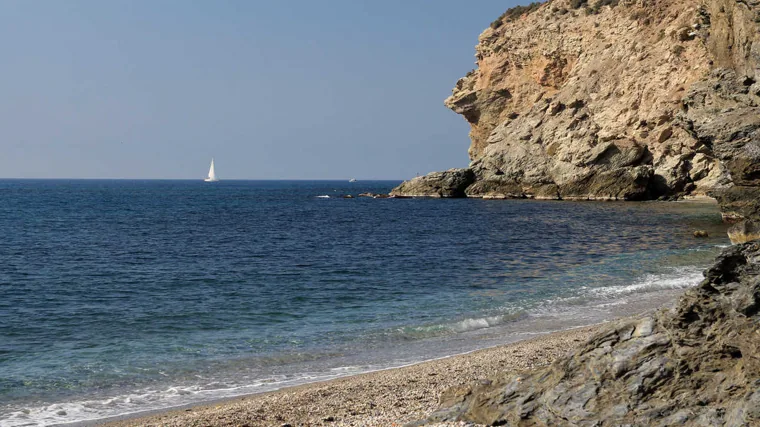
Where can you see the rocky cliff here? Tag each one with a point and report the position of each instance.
(624, 100)
(608, 99)
(698, 364)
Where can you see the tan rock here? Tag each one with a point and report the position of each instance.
(744, 231)
(450, 183)
(578, 90)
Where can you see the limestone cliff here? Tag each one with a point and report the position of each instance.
(629, 100)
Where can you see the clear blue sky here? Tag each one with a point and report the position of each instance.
(273, 90)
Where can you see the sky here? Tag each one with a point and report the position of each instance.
(281, 89)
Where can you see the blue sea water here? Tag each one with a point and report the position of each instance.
(119, 297)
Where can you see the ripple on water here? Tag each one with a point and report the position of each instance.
(124, 296)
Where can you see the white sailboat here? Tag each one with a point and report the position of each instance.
(211, 174)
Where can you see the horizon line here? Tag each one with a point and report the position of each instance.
(194, 179)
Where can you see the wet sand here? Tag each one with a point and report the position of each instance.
(383, 398)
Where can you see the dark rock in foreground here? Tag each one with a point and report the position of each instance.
(450, 183)
(697, 364)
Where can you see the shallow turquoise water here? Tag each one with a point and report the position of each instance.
(125, 296)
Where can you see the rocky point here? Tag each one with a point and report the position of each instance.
(613, 100)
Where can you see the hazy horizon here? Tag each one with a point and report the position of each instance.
(297, 90)
(201, 179)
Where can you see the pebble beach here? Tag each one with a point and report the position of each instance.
(390, 397)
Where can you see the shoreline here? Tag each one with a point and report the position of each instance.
(548, 344)
(209, 402)
(377, 398)
(527, 353)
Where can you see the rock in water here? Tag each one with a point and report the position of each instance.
(700, 234)
(697, 364)
(450, 183)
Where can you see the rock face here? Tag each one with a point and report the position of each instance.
(743, 232)
(697, 364)
(626, 100)
(450, 183)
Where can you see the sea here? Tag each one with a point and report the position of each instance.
(123, 296)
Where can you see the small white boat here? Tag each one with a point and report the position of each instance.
(211, 173)
(352, 180)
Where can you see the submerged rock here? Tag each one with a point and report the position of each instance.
(695, 364)
(374, 195)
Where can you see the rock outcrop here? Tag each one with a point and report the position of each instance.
(697, 364)
(625, 100)
(450, 183)
(743, 232)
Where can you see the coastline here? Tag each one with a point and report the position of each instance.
(380, 398)
(596, 301)
(387, 396)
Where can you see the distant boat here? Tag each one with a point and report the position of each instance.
(211, 174)
(352, 180)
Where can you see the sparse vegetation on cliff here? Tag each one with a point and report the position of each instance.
(592, 10)
(576, 4)
(513, 13)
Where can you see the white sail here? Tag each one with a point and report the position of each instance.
(211, 173)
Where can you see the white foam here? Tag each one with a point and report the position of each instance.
(140, 401)
(324, 196)
(584, 303)
(346, 369)
(681, 278)
(464, 325)
(477, 323)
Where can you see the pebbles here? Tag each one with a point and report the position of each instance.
(383, 398)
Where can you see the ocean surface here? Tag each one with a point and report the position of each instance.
(119, 297)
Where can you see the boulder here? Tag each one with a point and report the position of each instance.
(617, 184)
(744, 231)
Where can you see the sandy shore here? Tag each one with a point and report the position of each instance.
(383, 398)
